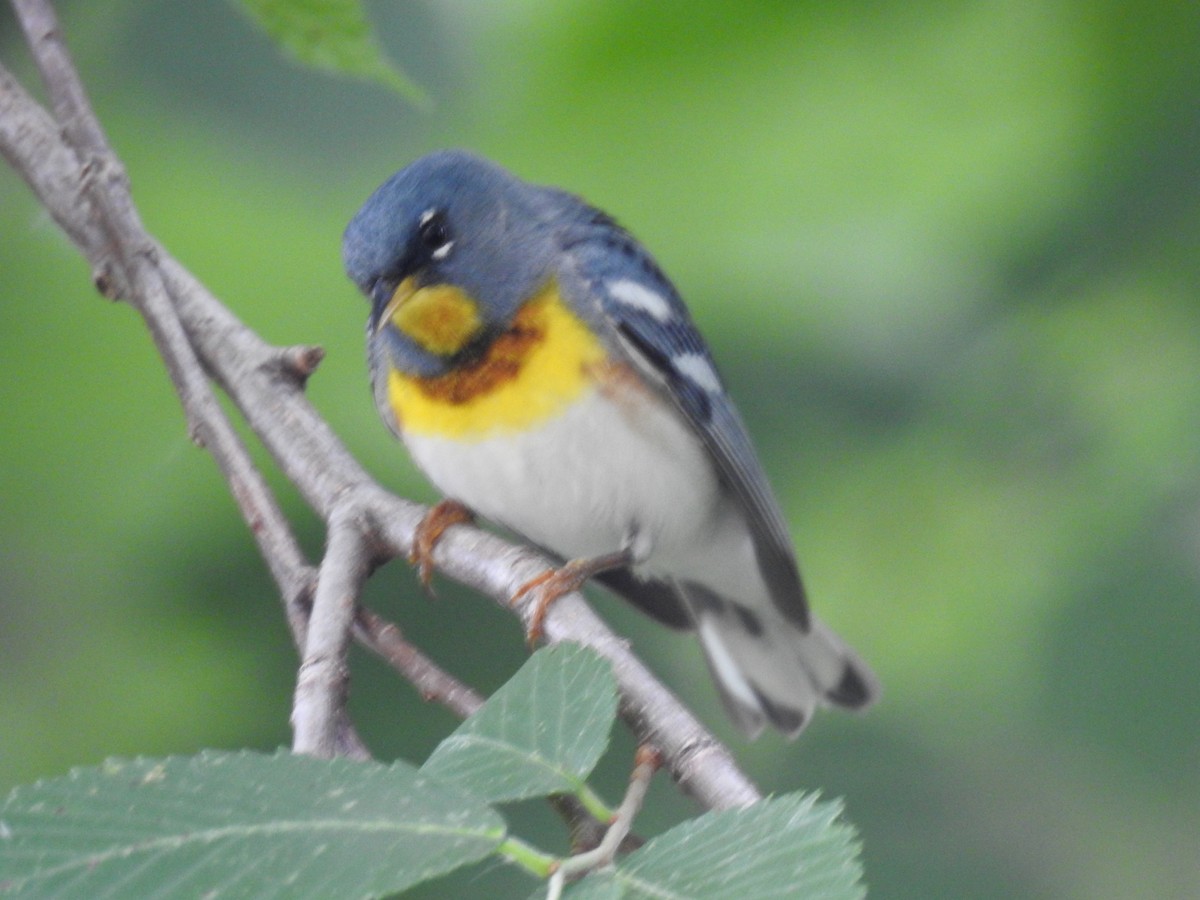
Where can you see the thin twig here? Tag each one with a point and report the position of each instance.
(322, 684)
(646, 763)
(32, 144)
(433, 682)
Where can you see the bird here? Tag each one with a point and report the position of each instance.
(544, 373)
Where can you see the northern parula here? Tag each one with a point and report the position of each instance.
(542, 371)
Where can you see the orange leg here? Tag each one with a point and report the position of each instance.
(429, 532)
(555, 583)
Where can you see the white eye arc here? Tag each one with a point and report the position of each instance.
(435, 233)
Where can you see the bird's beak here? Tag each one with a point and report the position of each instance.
(404, 290)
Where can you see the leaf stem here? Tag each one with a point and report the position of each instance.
(528, 857)
(593, 804)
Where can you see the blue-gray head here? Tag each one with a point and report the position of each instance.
(464, 232)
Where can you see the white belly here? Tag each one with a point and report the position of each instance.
(582, 481)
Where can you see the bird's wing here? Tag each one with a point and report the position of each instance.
(608, 272)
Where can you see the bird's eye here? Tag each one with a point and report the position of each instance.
(434, 233)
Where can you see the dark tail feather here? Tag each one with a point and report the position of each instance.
(770, 672)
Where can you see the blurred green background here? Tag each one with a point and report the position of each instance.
(947, 255)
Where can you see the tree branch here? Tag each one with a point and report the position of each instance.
(384, 639)
(323, 683)
(79, 181)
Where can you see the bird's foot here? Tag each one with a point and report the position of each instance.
(429, 532)
(553, 584)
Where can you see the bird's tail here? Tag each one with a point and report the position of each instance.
(770, 672)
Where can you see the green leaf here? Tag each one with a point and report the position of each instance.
(541, 733)
(334, 35)
(789, 846)
(237, 825)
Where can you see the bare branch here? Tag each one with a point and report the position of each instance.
(434, 683)
(83, 186)
(31, 144)
(71, 107)
(322, 685)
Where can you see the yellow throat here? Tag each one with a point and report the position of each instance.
(440, 317)
(545, 360)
